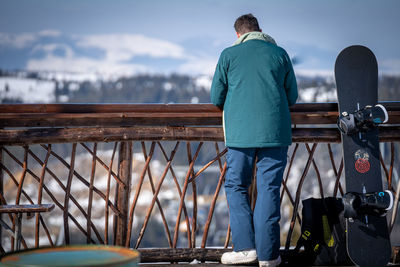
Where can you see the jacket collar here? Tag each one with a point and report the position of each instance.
(254, 36)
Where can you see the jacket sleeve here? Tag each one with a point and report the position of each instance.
(219, 86)
(290, 82)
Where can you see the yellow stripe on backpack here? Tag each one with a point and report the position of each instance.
(328, 237)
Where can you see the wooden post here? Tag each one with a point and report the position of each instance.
(123, 192)
(17, 233)
(1, 188)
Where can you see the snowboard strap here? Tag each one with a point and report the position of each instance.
(378, 203)
(362, 120)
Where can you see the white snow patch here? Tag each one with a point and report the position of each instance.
(327, 96)
(73, 86)
(194, 100)
(119, 86)
(145, 198)
(167, 86)
(92, 69)
(204, 82)
(63, 98)
(308, 94)
(138, 156)
(312, 73)
(27, 90)
(318, 94)
(167, 194)
(70, 76)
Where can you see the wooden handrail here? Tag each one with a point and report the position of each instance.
(68, 123)
(158, 108)
(107, 108)
(121, 115)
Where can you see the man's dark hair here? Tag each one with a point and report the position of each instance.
(246, 23)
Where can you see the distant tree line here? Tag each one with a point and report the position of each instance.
(174, 88)
(137, 89)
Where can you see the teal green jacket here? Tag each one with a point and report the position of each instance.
(254, 83)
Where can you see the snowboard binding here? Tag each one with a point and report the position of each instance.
(362, 120)
(377, 203)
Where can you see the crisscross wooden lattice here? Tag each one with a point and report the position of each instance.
(155, 185)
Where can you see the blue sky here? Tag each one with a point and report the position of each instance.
(186, 36)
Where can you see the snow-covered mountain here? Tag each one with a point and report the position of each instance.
(111, 56)
(67, 87)
(108, 56)
(64, 87)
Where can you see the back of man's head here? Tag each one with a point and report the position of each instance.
(246, 23)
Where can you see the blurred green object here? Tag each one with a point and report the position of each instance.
(79, 255)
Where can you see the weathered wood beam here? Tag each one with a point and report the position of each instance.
(101, 134)
(26, 208)
(159, 133)
(108, 119)
(152, 119)
(158, 108)
(122, 193)
(142, 108)
(155, 255)
(107, 108)
(181, 254)
(108, 115)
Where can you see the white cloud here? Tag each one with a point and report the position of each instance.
(17, 40)
(119, 47)
(49, 33)
(22, 40)
(50, 48)
(119, 50)
(199, 65)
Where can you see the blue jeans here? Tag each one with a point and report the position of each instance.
(259, 230)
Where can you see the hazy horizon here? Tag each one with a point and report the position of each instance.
(154, 36)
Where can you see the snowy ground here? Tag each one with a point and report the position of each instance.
(27, 90)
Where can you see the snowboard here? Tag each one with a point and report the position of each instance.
(367, 236)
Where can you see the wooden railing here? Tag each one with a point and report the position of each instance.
(119, 174)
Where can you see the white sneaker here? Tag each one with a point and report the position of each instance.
(239, 257)
(272, 263)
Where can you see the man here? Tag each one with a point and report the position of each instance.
(254, 84)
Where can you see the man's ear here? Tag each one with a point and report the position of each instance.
(260, 30)
(238, 35)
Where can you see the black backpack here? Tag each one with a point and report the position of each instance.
(322, 234)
